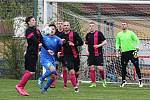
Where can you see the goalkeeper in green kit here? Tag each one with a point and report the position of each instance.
(127, 45)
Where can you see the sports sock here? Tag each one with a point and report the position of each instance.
(102, 73)
(27, 75)
(65, 77)
(93, 76)
(73, 79)
(49, 82)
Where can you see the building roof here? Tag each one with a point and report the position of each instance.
(117, 9)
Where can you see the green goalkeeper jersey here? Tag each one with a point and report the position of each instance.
(127, 41)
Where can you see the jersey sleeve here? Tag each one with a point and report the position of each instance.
(135, 39)
(42, 41)
(101, 36)
(79, 41)
(30, 36)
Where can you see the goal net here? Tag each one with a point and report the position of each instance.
(108, 17)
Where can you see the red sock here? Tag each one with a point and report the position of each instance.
(65, 77)
(73, 80)
(27, 75)
(93, 76)
(102, 73)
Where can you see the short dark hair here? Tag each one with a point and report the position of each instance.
(52, 25)
(91, 23)
(28, 19)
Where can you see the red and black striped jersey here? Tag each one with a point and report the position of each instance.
(92, 39)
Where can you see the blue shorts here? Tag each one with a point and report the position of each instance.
(47, 63)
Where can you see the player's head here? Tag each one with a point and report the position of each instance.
(92, 27)
(60, 25)
(30, 21)
(53, 29)
(124, 25)
(66, 26)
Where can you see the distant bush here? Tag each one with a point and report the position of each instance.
(13, 50)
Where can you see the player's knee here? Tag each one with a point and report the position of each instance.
(32, 73)
(100, 68)
(72, 71)
(64, 68)
(92, 67)
(52, 68)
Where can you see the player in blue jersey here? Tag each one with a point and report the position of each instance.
(59, 60)
(47, 60)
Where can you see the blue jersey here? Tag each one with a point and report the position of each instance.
(53, 43)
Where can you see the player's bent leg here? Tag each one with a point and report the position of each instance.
(53, 85)
(41, 79)
(20, 86)
(49, 82)
(44, 90)
(73, 80)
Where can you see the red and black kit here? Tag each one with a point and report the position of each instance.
(70, 53)
(33, 37)
(95, 54)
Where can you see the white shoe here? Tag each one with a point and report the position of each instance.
(123, 84)
(140, 84)
(76, 89)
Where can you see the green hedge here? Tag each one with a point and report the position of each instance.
(12, 50)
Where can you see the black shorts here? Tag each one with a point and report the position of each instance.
(30, 62)
(71, 63)
(58, 61)
(95, 60)
(129, 55)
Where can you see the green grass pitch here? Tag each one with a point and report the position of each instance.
(111, 92)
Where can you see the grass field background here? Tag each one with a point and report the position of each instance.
(111, 92)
